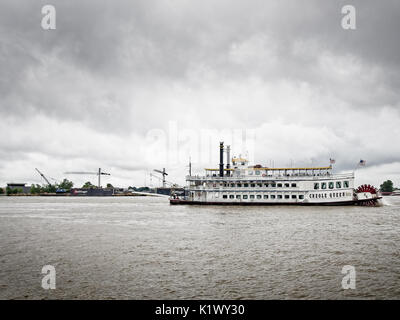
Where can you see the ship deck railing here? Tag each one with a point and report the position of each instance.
(270, 177)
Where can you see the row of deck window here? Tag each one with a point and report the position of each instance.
(265, 196)
(285, 196)
(260, 185)
(330, 185)
(258, 172)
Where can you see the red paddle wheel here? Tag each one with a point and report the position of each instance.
(367, 188)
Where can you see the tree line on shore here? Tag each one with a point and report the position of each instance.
(387, 186)
(65, 186)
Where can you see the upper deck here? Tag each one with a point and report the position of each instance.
(257, 173)
(242, 171)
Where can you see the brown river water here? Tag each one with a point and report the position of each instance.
(143, 248)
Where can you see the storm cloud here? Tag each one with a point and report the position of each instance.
(105, 88)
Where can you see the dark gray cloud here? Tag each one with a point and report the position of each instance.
(113, 71)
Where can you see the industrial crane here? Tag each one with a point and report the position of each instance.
(163, 180)
(163, 175)
(99, 173)
(43, 176)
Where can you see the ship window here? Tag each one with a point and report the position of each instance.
(265, 196)
(316, 186)
(245, 196)
(225, 196)
(279, 196)
(273, 196)
(252, 196)
(287, 185)
(330, 195)
(331, 185)
(338, 184)
(232, 184)
(231, 196)
(294, 185)
(266, 185)
(246, 185)
(238, 196)
(346, 184)
(294, 196)
(301, 196)
(273, 185)
(279, 185)
(258, 196)
(287, 196)
(323, 185)
(239, 185)
(257, 172)
(252, 185)
(259, 185)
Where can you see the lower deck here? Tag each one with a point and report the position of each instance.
(270, 197)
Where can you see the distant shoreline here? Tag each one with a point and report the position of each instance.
(75, 196)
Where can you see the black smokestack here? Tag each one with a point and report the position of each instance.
(221, 159)
(228, 160)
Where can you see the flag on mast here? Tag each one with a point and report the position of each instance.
(362, 162)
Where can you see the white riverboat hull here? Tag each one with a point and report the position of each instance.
(256, 203)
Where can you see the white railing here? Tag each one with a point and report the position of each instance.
(271, 178)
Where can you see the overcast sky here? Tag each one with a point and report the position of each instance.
(130, 86)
